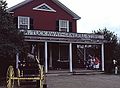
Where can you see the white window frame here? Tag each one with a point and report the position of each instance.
(64, 24)
(24, 17)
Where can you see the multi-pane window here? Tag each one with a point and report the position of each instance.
(44, 7)
(64, 25)
(23, 22)
(63, 52)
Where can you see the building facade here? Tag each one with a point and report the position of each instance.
(51, 30)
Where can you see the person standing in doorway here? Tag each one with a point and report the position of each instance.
(97, 63)
(115, 67)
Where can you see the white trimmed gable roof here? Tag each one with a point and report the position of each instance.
(55, 1)
(19, 5)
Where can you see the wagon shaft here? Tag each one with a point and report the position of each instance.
(22, 78)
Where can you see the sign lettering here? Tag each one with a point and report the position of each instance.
(62, 34)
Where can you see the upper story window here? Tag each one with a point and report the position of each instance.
(23, 22)
(64, 25)
(44, 7)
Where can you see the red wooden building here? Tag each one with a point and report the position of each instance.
(51, 28)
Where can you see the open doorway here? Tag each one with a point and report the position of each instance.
(89, 56)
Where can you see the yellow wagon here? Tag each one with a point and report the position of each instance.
(20, 75)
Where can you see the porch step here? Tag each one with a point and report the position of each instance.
(75, 72)
(87, 72)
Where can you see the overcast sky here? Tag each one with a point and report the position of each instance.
(95, 14)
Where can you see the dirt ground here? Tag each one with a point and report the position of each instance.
(84, 81)
(78, 81)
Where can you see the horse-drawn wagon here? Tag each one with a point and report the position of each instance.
(26, 71)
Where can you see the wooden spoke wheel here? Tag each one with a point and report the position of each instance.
(42, 78)
(10, 75)
(18, 75)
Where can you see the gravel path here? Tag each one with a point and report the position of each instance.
(81, 81)
(84, 81)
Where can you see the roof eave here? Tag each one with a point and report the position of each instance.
(18, 5)
(75, 16)
(78, 18)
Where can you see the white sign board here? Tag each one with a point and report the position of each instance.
(62, 34)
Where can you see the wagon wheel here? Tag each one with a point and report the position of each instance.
(39, 82)
(18, 75)
(42, 73)
(42, 77)
(10, 75)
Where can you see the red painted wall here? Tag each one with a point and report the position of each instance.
(43, 19)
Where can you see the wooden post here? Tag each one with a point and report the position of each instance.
(46, 60)
(102, 49)
(70, 57)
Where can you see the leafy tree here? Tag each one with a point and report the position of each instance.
(108, 35)
(110, 46)
(117, 53)
(11, 40)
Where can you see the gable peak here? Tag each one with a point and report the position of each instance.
(44, 7)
